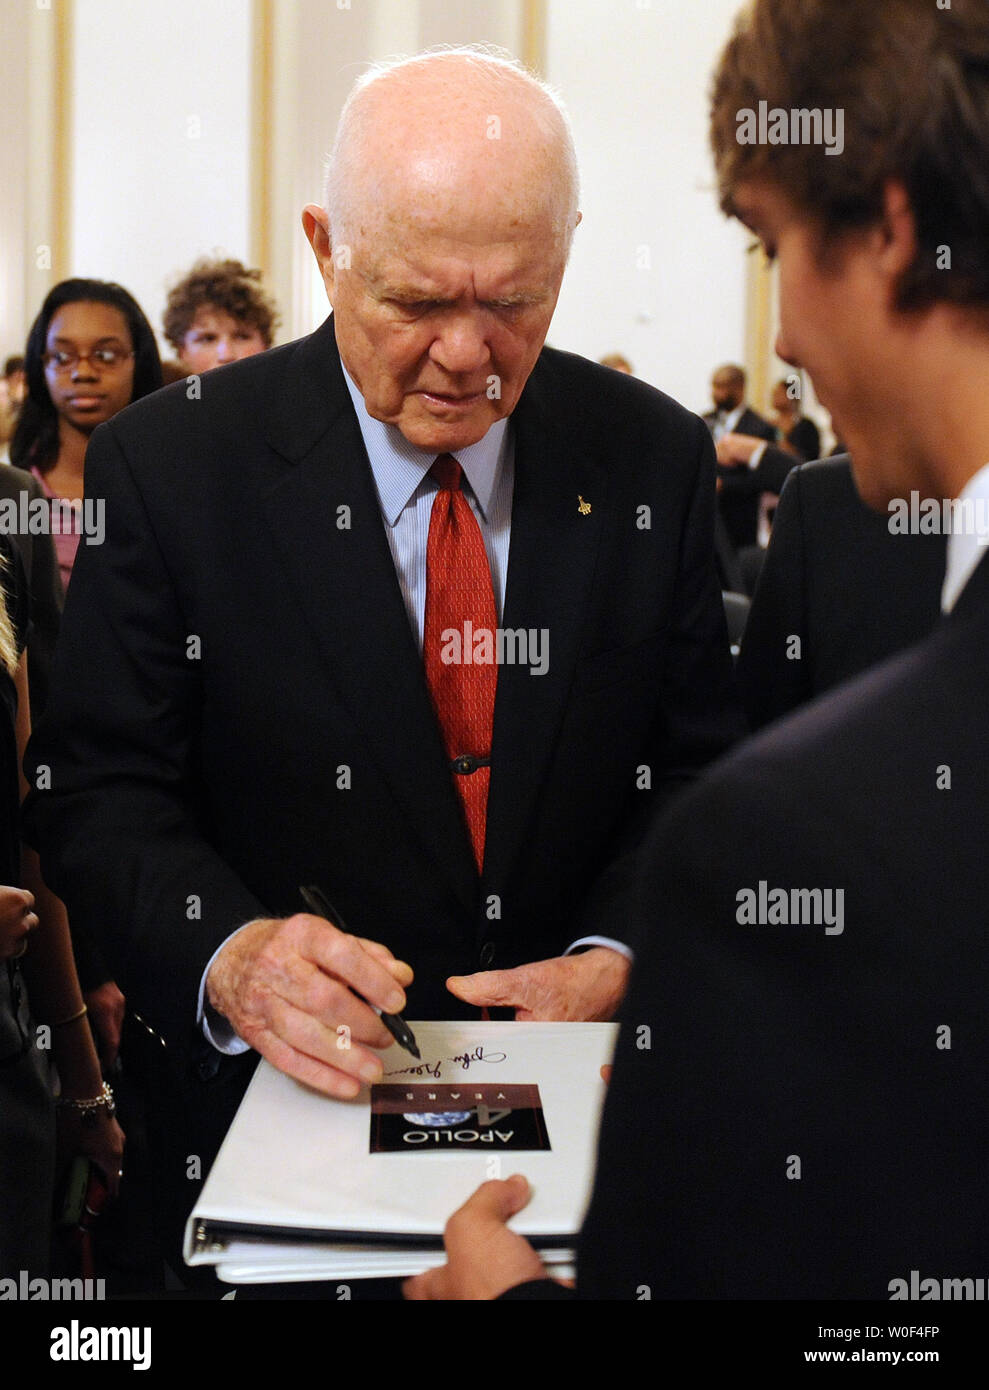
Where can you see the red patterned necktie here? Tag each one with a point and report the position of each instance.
(460, 600)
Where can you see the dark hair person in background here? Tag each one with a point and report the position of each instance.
(12, 389)
(218, 313)
(808, 1119)
(90, 352)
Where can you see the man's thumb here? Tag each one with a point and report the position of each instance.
(502, 1199)
(488, 987)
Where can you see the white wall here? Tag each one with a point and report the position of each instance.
(635, 79)
(28, 221)
(161, 159)
(160, 122)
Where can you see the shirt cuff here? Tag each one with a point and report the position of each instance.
(755, 458)
(218, 1030)
(587, 941)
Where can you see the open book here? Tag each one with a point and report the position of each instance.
(306, 1187)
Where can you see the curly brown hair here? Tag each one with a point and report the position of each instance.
(913, 82)
(228, 285)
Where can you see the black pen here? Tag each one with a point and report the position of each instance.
(318, 902)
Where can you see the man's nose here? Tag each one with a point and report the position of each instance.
(461, 345)
(784, 351)
(224, 350)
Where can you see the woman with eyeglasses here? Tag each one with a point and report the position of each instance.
(90, 352)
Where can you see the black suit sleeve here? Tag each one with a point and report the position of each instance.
(773, 669)
(699, 716)
(111, 763)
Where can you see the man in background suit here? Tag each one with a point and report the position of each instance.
(241, 704)
(742, 479)
(838, 593)
(731, 415)
(798, 1104)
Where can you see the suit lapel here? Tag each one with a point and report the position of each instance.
(551, 562)
(345, 583)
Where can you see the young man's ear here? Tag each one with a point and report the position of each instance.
(316, 225)
(898, 249)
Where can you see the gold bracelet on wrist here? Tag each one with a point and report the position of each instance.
(88, 1109)
(79, 1013)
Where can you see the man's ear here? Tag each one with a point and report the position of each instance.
(316, 225)
(898, 246)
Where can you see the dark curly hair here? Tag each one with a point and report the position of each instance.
(35, 441)
(226, 285)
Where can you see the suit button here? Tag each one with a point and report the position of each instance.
(487, 955)
(207, 1065)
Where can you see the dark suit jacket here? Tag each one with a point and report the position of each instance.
(741, 488)
(746, 1049)
(805, 437)
(837, 579)
(239, 705)
(47, 600)
(738, 499)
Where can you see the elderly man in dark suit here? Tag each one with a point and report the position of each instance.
(414, 609)
(798, 1104)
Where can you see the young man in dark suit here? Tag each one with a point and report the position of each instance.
(253, 691)
(798, 1102)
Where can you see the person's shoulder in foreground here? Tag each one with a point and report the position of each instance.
(804, 1037)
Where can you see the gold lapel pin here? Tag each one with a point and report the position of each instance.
(583, 507)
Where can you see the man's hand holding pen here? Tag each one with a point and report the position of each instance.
(295, 988)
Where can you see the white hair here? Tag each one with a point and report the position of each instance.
(491, 66)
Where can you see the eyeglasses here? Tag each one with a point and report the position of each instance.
(66, 361)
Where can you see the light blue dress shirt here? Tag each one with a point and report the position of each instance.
(406, 493)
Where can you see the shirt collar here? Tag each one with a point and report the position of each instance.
(967, 543)
(400, 467)
(733, 417)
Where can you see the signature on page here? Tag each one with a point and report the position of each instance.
(462, 1061)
